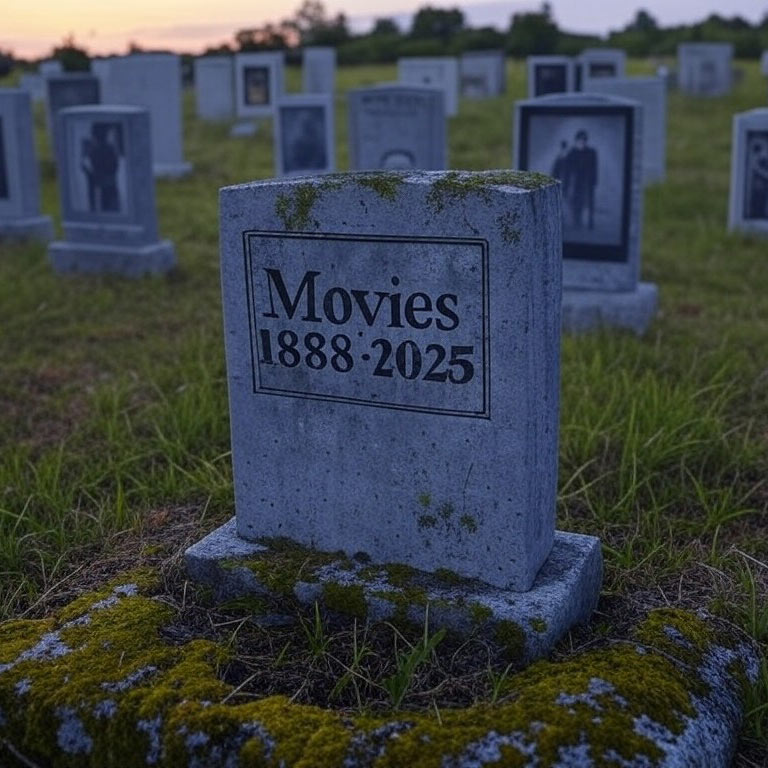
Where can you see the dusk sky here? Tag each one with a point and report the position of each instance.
(104, 26)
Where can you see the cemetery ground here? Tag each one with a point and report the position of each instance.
(114, 435)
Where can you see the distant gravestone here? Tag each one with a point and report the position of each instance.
(318, 69)
(34, 85)
(214, 87)
(482, 74)
(396, 127)
(602, 62)
(304, 135)
(764, 63)
(69, 90)
(50, 67)
(20, 216)
(394, 343)
(705, 69)
(107, 194)
(437, 72)
(259, 83)
(593, 145)
(748, 209)
(153, 81)
(651, 92)
(549, 74)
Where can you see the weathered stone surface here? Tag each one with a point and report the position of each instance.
(358, 449)
(101, 685)
(20, 216)
(565, 591)
(590, 310)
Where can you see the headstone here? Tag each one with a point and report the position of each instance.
(20, 216)
(397, 127)
(651, 92)
(259, 83)
(69, 90)
(602, 62)
(748, 209)
(704, 69)
(153, 81)
(215, 87)
(593, 145)
(393, 363)
(436, 72)
(50, 67)
(107, 193)
(34, 85)
(764, 63)
(305, 142)
(318, 69)
(549, 74)
(482, 74)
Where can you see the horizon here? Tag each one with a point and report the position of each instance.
(110, 30)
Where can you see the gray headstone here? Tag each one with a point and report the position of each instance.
(393, 356)
(153, 81)
(304, 136)
(593, 145)
(748, 209)
(651, 92)
(50, 67)
(318, 69)
(215, 87)
(550, 74)
(764, 63)
(482, 74)
(259, 83)
(107, 193)
(440, 72)
(397, 127)
(34, 85)
(704, 69)
(20, 215)
(69, 90)
(602, 62)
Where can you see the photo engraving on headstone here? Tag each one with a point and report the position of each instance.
(397, 127)
(20, 216)
(549, 74)
(107, 193)
(756, 176)
(748, 206)
(304, 136)
(602, 63)
(256, 86)
(258, 83)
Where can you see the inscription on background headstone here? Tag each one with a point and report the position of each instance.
(396, 127)
(549, 74)
(318, 69)
(602, 63)
(304, 136)
(398, 356)
(215, 87)
(19, 176)
(107, 193)
(440, 72)
(748, 208)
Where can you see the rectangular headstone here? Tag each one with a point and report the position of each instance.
(393, 365)
(549, 74)
(482, 74)
(433, 72)
(305, 141)
(20, 215)
(397, 127)
(318, 69)
(50, 67)
(69, 90)
(153, 81)
(602, 62)
(107, 193)
(764, 63)
(748, 209)
(705, 69)
(651, 92)
(34, 85)
(259, 83)
(215, 87)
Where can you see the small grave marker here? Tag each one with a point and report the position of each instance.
(550, 74)
(748, 209)
(705, 69)
(318, 69)
(304, 135)
(483, 74)
(215, 87)
(433, 72)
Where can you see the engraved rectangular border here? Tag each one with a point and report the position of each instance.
(482, 244)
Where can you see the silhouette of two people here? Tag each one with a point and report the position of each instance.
(576, 168)
(99, 163)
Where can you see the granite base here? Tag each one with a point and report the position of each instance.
(130, 261)
(27, 228)
(585, 310)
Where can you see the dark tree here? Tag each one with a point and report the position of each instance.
(72, 57)
(533, 33)
(385, 27)
(437, 23)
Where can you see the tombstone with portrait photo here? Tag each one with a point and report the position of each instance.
(304, 135)
(550, 74)
(593, 145)
(748, 208)
(107, 193)
(258, 83)
(20, 216)
(397, 127)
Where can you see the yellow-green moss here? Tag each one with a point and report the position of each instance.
(538, 624)
(511, 637)
(448, 577)
(348, 599)
(385, 184)
(480, 613)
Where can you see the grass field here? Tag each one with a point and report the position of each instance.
(114, 435)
